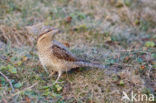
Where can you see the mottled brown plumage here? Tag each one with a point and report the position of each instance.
(56, 56)
(60, 53)
(45, 32)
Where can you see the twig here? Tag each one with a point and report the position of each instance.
(4, 100)
(128, 65)
(17, 93)
(134, 51)
(13, 90)
(23, 90)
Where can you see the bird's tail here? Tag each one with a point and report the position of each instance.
(88, 64)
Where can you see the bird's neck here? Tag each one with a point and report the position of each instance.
(44, 44)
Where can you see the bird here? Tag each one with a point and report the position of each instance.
(56, 56)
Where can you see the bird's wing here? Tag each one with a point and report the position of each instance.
(62, 53)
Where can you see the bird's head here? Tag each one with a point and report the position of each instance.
(48, 34)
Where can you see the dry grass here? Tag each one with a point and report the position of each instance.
(117, 34)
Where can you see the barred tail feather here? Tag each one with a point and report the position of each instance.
(87, 64)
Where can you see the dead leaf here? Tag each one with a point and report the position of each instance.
(68, 19)
(27, 99)
(66, 44)
(142, 67)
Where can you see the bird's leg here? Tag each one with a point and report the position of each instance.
(44, 67)
(52, 73)
(59, 75)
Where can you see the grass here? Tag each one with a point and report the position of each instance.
(120, 35)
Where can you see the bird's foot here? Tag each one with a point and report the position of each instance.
(51, 74)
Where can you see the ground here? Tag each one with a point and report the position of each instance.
(117, 33)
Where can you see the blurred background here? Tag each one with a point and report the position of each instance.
(117, 33)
